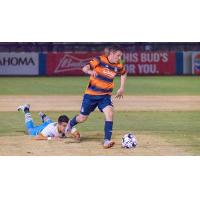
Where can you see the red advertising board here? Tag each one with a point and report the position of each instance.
(137, 63)
(68, 63)
(150, 63)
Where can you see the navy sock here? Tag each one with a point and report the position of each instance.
(108, 130)
(26, 110)
(73, 122)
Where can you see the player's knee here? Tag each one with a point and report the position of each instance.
(109, 115)
(30, 132)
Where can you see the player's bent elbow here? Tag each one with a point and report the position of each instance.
(83, 70)
(86, 68)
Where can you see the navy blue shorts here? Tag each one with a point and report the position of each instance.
(90, 102)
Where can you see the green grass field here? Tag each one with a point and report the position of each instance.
(179, 128)
(166, 85)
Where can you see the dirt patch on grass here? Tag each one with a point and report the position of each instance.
(91, 142)
(90, 145)
(128, 103)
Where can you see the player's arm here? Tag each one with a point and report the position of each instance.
(120, 91)
(43, 137)
(87, 70)
(40, 137)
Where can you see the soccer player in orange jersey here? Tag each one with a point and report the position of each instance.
(102, 71)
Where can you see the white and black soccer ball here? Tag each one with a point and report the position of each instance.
(129, 141)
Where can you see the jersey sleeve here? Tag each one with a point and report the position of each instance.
(122, 70)
(94, 62)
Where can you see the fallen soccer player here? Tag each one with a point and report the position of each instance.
(48, 130)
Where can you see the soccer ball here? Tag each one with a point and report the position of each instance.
(129, 141)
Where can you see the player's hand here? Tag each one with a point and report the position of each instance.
(120, 93)
(56, 138)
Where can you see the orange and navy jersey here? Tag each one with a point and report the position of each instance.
(103, 83)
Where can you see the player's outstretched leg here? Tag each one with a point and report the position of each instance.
(86, 108)
(75, 120)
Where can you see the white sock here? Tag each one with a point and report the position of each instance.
(28, 117)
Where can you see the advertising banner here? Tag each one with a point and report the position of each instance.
(137, 63)
(68, 63)
(19, 64)
(150, 63)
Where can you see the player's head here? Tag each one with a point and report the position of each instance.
(115, 54)
(62, 123)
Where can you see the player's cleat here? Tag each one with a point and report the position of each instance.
(108, 144)
(42, 116)
(24, 108)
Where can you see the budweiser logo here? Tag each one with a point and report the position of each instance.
(71, 63)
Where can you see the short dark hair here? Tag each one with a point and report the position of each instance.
(63, 118)
(115, 48)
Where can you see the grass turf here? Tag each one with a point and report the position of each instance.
(167, 85)
(180, 128)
